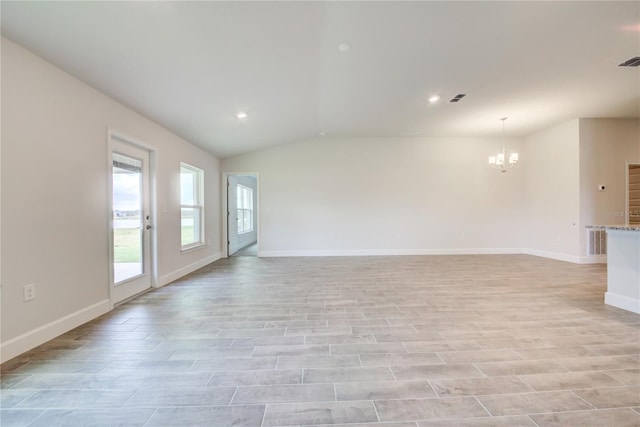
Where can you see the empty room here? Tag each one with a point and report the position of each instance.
(310, 213)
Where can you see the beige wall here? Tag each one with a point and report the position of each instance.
(552, 190)
(353, 196)
(606, 146)
(565, 166)
(54, 197)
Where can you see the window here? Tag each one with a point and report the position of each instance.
(191, 206)
(245, 209)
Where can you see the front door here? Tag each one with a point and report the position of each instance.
(131, 220)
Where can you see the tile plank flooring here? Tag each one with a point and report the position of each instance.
(424, 341)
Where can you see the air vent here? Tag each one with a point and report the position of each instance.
(458, 97)
(633, 62)
(597, 242)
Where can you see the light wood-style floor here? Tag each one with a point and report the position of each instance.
(251, 250)
(508, 340)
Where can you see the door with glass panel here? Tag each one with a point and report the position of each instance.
(131, 220)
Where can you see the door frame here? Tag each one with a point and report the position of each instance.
(153, 267)
(225, 210)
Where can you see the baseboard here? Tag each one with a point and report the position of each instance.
(392, 252)
(175, 275)
(622, 302)
(25, 342)
(553, 255)
(593, 259)
(598, 259)
(38, 336)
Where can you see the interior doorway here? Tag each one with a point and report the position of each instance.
(242, 214)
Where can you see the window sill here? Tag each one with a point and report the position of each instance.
(192, 247)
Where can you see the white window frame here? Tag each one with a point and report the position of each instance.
(243, 211)
(197, 206)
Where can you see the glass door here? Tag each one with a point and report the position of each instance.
(131, 220)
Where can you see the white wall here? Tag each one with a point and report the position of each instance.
(437, 195)
(351, 196)
(552, 189)
(239, 241)
(606, 145)
(54, 198)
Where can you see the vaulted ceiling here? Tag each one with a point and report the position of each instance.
(192, 66)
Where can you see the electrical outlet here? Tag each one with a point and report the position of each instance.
(29, 292)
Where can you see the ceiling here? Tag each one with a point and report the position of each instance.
(191, 66)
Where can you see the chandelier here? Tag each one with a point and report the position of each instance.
(498, 161)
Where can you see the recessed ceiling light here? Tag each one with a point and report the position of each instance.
(241, 115)
(344, 47)
(434, 98)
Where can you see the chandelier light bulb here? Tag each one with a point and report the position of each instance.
(498, 161)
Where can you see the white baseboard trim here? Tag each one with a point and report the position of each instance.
(176, 274)
(391, 252)
(593, 259)
(25, 342)
(38, 336)
(553, 255)
(623, 302)
(596, 259)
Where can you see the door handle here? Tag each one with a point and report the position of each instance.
(148, 227)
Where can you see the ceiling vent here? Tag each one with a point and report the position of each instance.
(458, 97)
(633, 62)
